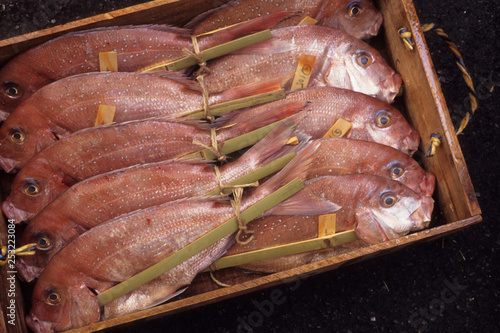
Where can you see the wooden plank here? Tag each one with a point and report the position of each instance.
(173, 12)
(428, 113)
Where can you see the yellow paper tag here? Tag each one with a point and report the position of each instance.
(108, 61)
(303, 72)
(293, 141)
(105, 115)
(327, 224)
(308, 21)
(339, 129)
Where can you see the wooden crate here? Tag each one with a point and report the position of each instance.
(423, 101)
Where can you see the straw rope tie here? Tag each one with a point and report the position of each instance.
(405, 36)
(236, 203)
(200, 75)
(215, 146)
(223, 187)
(435, 142)
(25, 250)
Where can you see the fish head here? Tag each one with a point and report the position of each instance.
(61, 302)
(22, 135)
(382, 123)
(50, 234)
(408, 172)
(357, 66)
(392, 211)
(18, 82)
(34, 187)
(359, 18)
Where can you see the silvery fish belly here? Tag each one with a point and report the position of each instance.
(358, 18)
(71, 104)
(370, 118)
(138, 48)
(97, 199)
(341, 61)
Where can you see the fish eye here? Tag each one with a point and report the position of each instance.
(43, 243)
(31, 187)
(364, 59)
(354, 9)
(12, 90)
(397, 172)
(17, 136)
(53, 298)
(388, 200)
(383, 119)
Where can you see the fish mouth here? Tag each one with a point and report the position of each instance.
(373, 31)
(8, 164)
(28, 272)
(4, 115)
(421, 217)
(390, 87)
(39, 326)
(15, 213)
(411, 142)
(428, 184)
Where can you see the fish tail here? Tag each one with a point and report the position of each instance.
(254, 88)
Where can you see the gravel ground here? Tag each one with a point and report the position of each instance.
(447, 285)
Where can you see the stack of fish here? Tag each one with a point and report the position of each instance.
(104, 203)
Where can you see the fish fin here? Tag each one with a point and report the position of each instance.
(296, 168)
(255, 88)
(252, 26)
(270, 146)
(304, 203)
(271, 46)
(260, 120)
(184, 32)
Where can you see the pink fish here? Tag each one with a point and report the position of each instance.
(377, 208)
(98, 150)
(358, 18)
(71, 104)
(137, 47)
(64, 296)
(371, 119)
(103, 197)
(341, 61)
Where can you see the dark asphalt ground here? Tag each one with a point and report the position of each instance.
(447, 285)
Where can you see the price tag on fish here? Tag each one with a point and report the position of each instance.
(303, 72)
(339, 129)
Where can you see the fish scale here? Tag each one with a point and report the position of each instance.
(339, 62)
(329, 13)
(61, 297)
(137, 47)
(100, 198)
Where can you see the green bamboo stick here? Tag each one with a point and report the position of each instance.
(235, 144)
(201, 243)
(236, 104)
(258, 174)
(220, 50)
(285, 250)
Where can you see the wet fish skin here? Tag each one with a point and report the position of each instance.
(94, 151)
(61, 297)
(325, 105)
(137, 47)
(71, 104)
(341, 61)
(103, 197)
(361, 198)
(360, 19)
